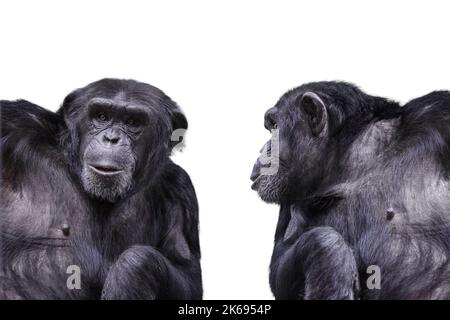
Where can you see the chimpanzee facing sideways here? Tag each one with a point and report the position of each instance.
(361, 182)
(92, 187)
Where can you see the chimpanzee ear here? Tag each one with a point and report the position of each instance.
(179, 126)
(67, 106)
(179, 120)
(316, 112)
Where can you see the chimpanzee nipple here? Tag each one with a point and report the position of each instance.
(390, 214)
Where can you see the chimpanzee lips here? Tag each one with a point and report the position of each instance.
(255, 175)
(255, 184)
(107, 170)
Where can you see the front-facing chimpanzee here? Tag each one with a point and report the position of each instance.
(364, 190)
(92, 190)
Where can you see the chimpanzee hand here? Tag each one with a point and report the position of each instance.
(319, 265)
(141, 272)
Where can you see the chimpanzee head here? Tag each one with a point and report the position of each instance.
(309, 124)
(118, 135)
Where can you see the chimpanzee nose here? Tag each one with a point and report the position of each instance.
(111, 136)
(270, 118)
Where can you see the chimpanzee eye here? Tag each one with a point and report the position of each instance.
(131, 122)
(102, 116)
(275, 126)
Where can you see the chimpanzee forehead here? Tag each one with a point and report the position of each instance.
(123, 105)
(121, 99)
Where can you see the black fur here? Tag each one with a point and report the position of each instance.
(144, 245)
(372, 188)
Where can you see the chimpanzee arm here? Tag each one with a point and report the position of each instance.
(142, 272)
(319, 265)
(170, 271)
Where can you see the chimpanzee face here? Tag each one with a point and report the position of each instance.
(115, 139)
(123, 136)
(298, 124)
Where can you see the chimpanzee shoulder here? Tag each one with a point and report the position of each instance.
(29, 135)
(425, 126)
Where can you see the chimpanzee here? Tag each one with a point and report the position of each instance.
(364, 192)
(91, 191)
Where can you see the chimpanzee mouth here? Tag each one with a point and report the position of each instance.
(106, 170)
(255, 183)
(254, 176)
(255, 179)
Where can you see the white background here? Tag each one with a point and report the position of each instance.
(225, 63)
